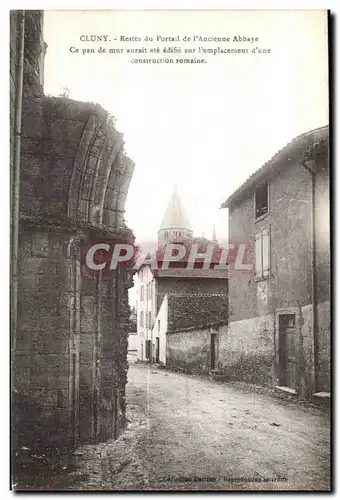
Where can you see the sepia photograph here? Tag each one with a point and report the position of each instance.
(170, 275)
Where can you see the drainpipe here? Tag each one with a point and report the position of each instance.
(15, 185)
(311, 170)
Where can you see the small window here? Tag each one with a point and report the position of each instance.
(261, 200)
(159, 325)
(142, 293)
(262, 254)
(141, 318)
(287, 320)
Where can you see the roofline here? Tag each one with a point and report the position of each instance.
(292, 147)
(175, 227)
(189, 294)
(215, 277)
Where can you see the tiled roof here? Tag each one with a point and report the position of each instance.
(302, 143)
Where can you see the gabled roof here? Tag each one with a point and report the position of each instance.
(302, 145)
(175, 216)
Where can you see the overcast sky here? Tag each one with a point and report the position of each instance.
(204, 127)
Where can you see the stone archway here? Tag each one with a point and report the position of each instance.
(69, 360)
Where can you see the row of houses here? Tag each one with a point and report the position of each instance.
(269, 324)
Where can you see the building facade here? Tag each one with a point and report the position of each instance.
(279, 314)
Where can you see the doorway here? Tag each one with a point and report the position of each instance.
(287, 350)
(213, 350)
(157, 349)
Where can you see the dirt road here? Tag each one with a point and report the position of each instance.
(189, 433)
(200, 429)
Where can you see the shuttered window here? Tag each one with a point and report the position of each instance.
(258, 256)
(262, 254)
(265, 253)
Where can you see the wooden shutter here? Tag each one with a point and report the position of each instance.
(258, 256)
(265, 252)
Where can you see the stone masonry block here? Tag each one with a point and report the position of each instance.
(31, 126)
(86, 348)
(49, 372)
(31, 319)
(40, 245)
(48, 342)
(37, 265)
(43, 397)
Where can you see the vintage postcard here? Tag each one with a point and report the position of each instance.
(170, 250)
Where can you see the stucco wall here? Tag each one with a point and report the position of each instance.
(289, 221)
(246, 350)
(133, 343)
(189, 351)
(160, 329)
(143, 279)
(290, 281)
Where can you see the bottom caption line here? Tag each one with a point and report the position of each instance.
(225, 479)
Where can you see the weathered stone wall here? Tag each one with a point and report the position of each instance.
(69, 361)
(323, 266)
(289, 222)
(48, 296)
(189, 351)
(247, 350)
(189, 285)
(324, 346)
(194, 311)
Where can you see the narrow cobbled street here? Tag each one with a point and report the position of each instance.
(188, 433)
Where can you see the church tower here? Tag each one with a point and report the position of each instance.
(175, 222)
(214, 239)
